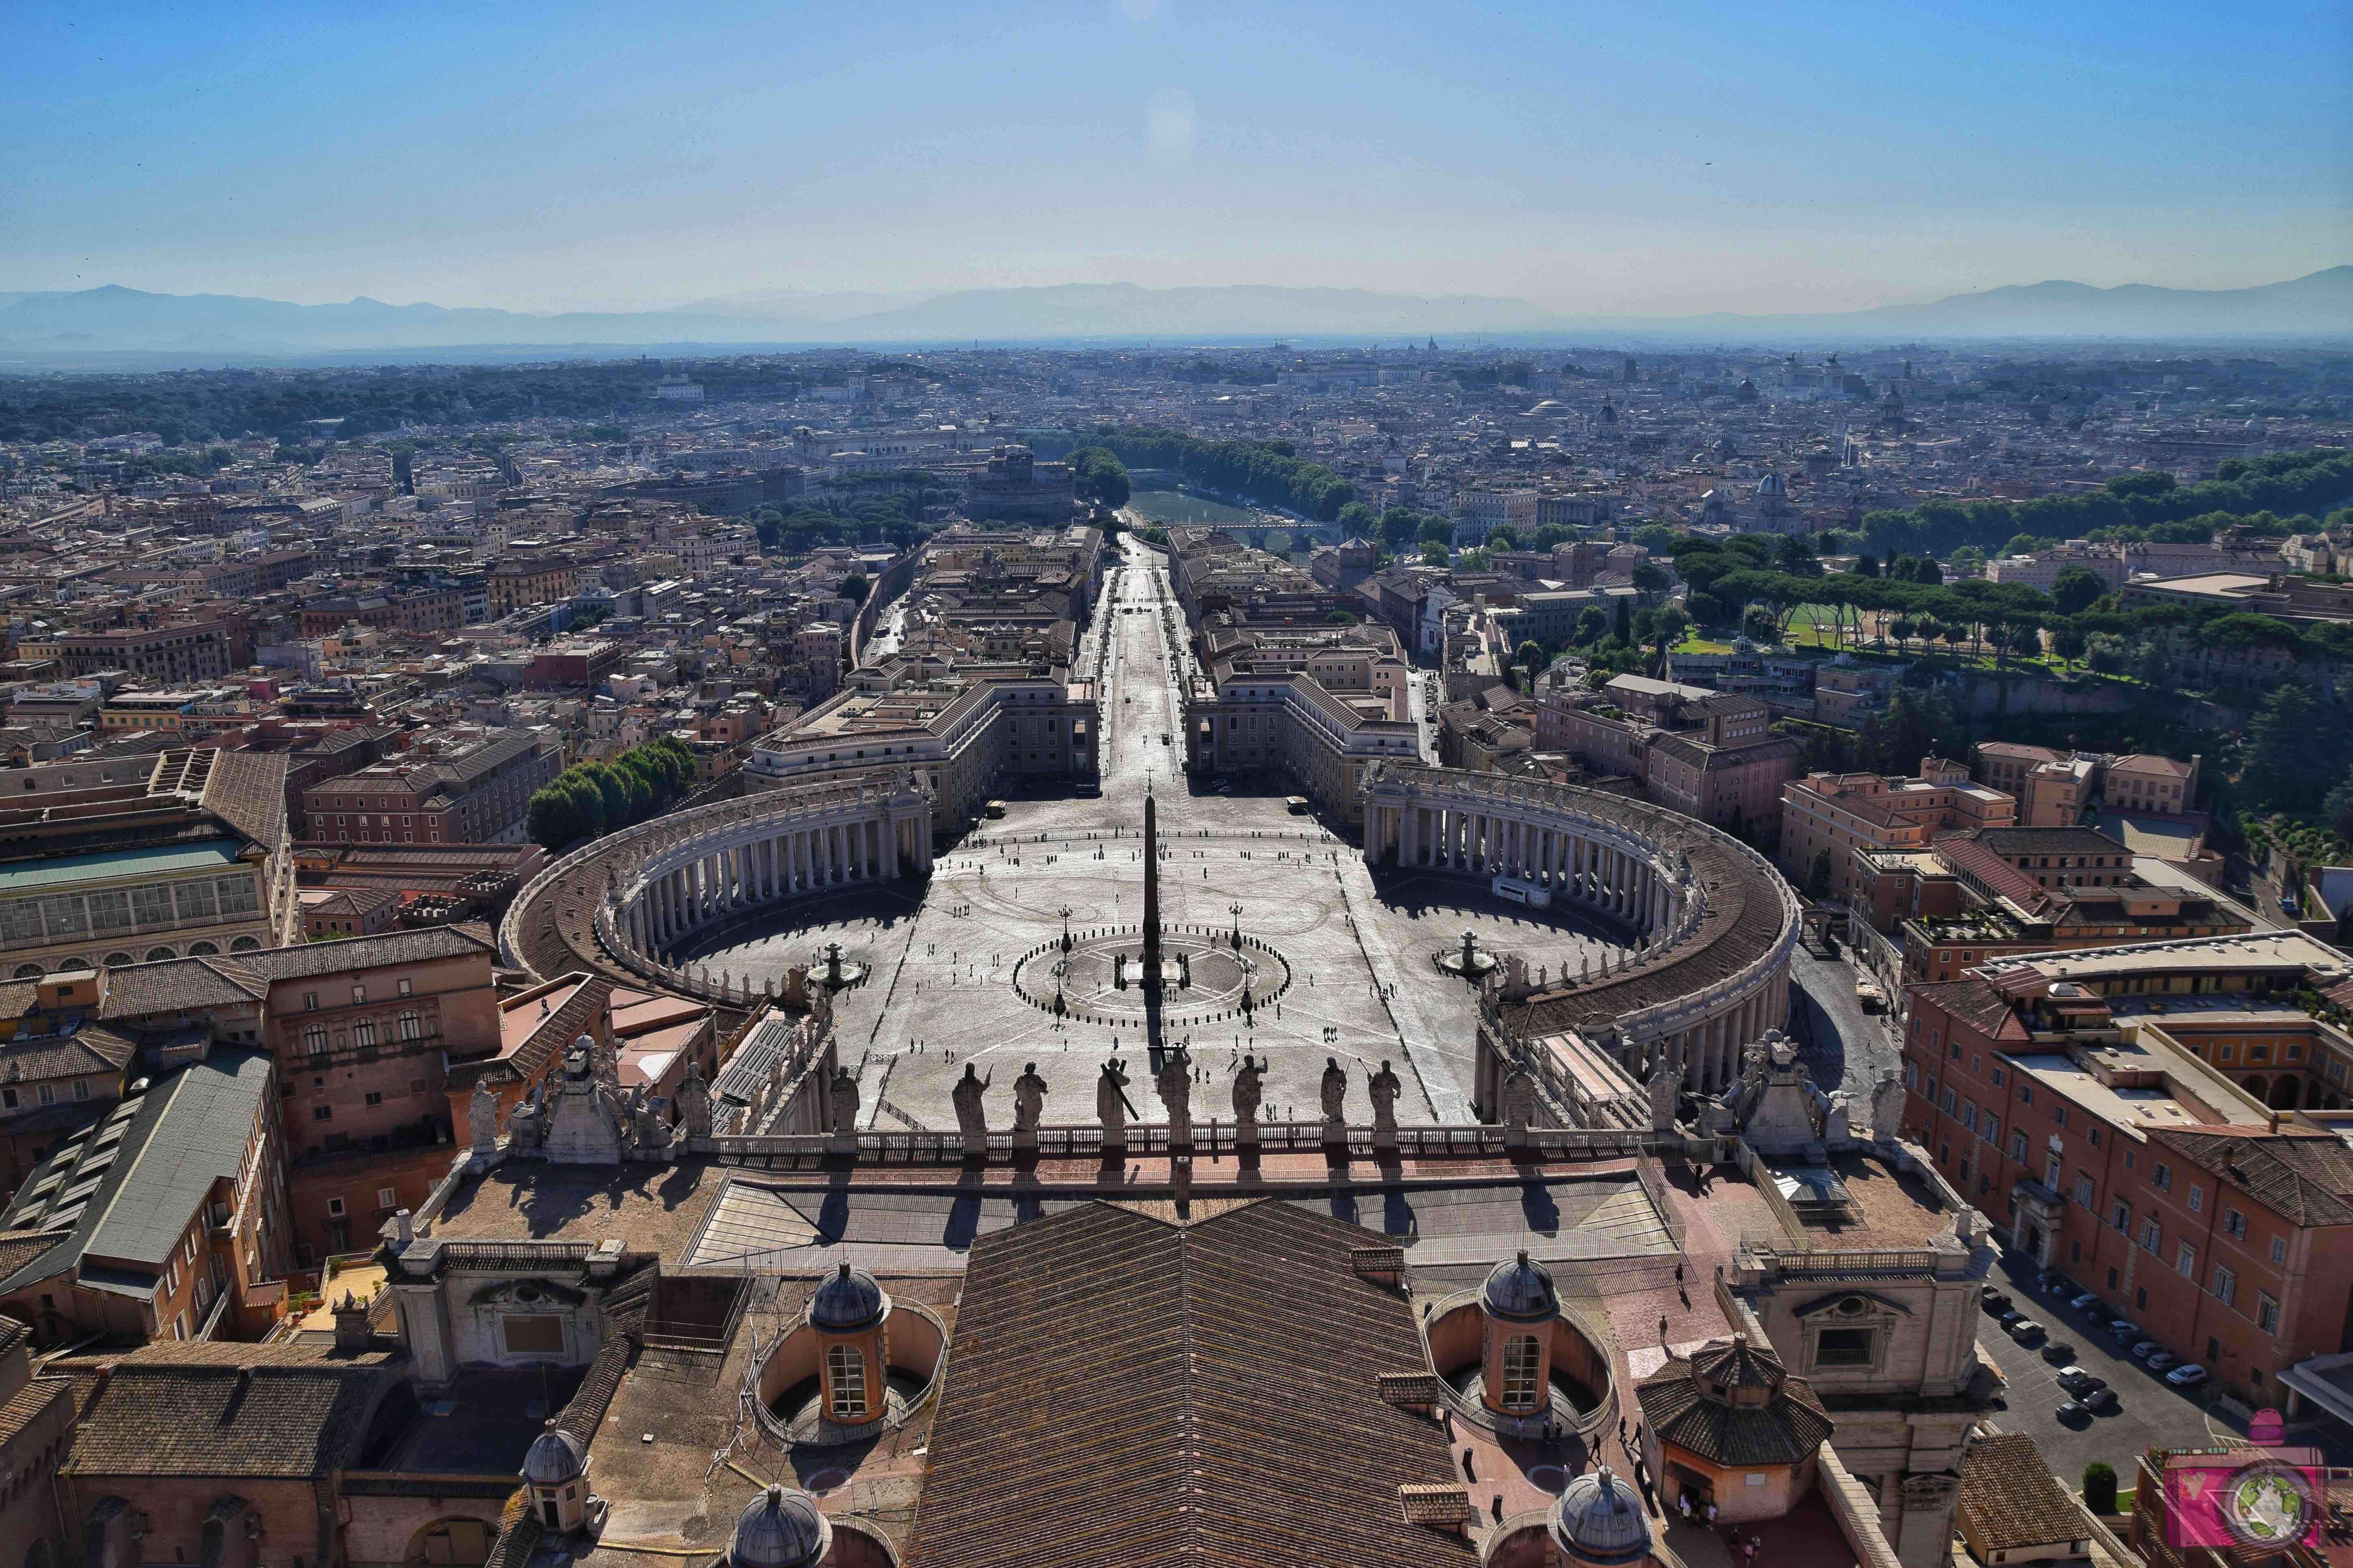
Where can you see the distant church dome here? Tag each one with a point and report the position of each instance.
(780, 1529)
(1599, 1522)
(1521, 1291)
(555, 1458)
(1608, 410)
(850, 1300)
(1772, 484)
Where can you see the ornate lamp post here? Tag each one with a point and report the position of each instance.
(1235, 909)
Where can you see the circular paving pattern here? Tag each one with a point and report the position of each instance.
(1204, 977)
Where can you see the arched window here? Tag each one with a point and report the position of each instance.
(28, 971)
(113, 959)
(412, 1028)
(158, 954)
(363, 1033)
(1521, 1360)
(845, 1368)
(203, 950)
(314, 1039)
(246, 944)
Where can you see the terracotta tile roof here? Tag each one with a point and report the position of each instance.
(2010, 1499)
(351, 952)
(179, 984)
(1976, 1003)
(198, 1409)
(248, 791)
(29, 1403)
(2305, 1179)
(1786, 1428)
(1125, 1393)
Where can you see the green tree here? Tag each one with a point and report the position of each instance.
(1357, 521)
(1592, 624)
(2073, 591)
(2336, 809)
(1758, 623)
(2024, 544)
(2068, 641)
(2100, 1486)
(2278, 742)
(1817, 877)
(1433, 554)
(1401, 526)
(1530, 655)
(1436, 529)
(854, 588)
(1503, 538)
(1796, 555)
(1098, 475)
(1655, 537)
(1622, 624)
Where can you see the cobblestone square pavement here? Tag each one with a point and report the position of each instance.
(1360, 945)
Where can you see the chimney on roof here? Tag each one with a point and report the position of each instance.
(352, 1331)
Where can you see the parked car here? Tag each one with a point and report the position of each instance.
(2009, 1316)
(2024, 1328)
(2069, 1410)
(2085, 1302)
(2078, 1382)
(2124, 1331)
(1995, 1303)
(2188, 1375)
(2051, 1283)
(2059, 1353)
(2100, 1399)
(2146, 1349)
(2162, 1360)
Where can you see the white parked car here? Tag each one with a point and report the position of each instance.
(2188, 1375)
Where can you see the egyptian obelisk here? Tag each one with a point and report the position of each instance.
(1151, 892)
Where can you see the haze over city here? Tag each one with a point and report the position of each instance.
(1594, 162)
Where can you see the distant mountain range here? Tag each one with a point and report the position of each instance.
(115, 321)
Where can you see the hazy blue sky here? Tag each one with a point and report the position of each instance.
(1593, 158)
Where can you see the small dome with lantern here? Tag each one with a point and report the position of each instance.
(851, 1300)
(1521, 1291)
(781, 1528)
(555, 1458)
(1599, 1522)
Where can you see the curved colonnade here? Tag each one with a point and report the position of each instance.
(1713, 922)
(630, 903)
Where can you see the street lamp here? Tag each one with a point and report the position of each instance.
(1066, 927)
(1235, 909)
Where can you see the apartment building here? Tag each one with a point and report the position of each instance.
(1709, 755)
(2110, 1107)
(164, 1219)
(1847, 816)
(476, 795)
(2002, 891)
(186, 655)
(959, 735)
(1479, 512)
(363, 1032)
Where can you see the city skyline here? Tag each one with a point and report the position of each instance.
(1611, 166)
